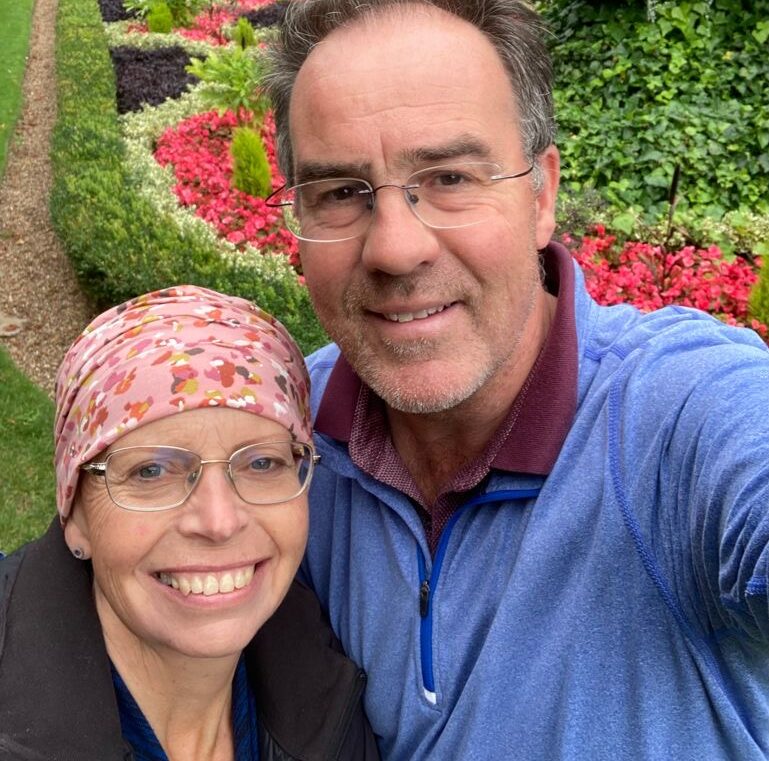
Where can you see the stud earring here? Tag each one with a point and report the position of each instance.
(79, 553)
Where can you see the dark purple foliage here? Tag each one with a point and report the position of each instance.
(267, 15)
(149, 76)
(113, 10)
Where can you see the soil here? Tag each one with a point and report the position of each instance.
(39, 293)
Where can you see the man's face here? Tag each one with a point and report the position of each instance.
(427, 317)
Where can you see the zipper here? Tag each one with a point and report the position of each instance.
(428, 583)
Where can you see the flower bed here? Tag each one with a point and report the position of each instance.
(149, 76)
(210, 25)
(198, 150)
(651, 277)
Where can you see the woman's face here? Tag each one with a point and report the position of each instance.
(214, 541)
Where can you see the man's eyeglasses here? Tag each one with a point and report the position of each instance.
(153, 478)
(442, 197)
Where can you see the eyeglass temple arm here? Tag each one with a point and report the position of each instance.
(95, 468)
(512, 176)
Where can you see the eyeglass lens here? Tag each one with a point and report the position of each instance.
(154, 478)
(448, 196)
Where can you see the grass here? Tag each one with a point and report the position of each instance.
(15, 23)
(27, 492)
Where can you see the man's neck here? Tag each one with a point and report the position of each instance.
(435, 446)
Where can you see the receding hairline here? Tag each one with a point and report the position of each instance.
(371, 15)
(369, 20)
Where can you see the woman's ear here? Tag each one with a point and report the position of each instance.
(76, 533)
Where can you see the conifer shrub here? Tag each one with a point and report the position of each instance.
(159, 18)
(250, 166)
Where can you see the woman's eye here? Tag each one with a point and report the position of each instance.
(150, 471)
(261, 464)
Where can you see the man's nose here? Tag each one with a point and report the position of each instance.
(397, 241)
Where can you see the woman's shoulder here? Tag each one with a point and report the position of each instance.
(308, 693)
(51, 648)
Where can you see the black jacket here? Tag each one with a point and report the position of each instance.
(57, 701)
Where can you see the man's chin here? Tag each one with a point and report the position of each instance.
(422, 388)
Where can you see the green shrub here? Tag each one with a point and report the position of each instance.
(181, 12)
(119, 243)
(636, 96)
(250, 166)
(232, 81)
(159, 18)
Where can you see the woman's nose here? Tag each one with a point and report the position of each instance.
(214, 509)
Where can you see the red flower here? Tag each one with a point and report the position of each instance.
(647, 277)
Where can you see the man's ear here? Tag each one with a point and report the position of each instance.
(550, 166)
(76, 533)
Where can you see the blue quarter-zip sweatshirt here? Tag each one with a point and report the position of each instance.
(615, 610)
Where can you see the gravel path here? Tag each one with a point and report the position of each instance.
(39, 293)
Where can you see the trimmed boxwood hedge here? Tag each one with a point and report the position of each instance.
(119, 244)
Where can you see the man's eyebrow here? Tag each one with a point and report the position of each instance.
(463, 146)
(323, 170)
(460, 147)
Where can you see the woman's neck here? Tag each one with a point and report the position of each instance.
(187, 701)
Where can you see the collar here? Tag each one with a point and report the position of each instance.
(531, 436)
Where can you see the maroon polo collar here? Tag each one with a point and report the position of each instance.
(531, 436)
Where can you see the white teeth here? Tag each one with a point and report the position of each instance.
(409, 316)
(210, 583)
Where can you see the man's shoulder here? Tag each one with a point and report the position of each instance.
(319, 365)
(323, 359)
(673, 331)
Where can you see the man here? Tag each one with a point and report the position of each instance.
(539, 525)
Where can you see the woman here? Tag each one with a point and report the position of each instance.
(183, 456)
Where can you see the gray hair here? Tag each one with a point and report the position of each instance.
(512, 26)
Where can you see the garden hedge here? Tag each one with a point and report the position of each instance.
(120, 245)
(643, 87)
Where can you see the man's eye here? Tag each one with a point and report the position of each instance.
(448, 179)
(340, 194)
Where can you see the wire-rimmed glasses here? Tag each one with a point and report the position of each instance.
(154, 478)
(340, 208)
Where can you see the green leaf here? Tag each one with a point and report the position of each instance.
(624, 222)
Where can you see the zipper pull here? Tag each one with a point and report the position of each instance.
(424, 597)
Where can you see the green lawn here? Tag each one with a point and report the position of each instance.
(27, 495)
(15, 22)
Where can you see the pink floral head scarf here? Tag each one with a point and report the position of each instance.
(167, 352)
